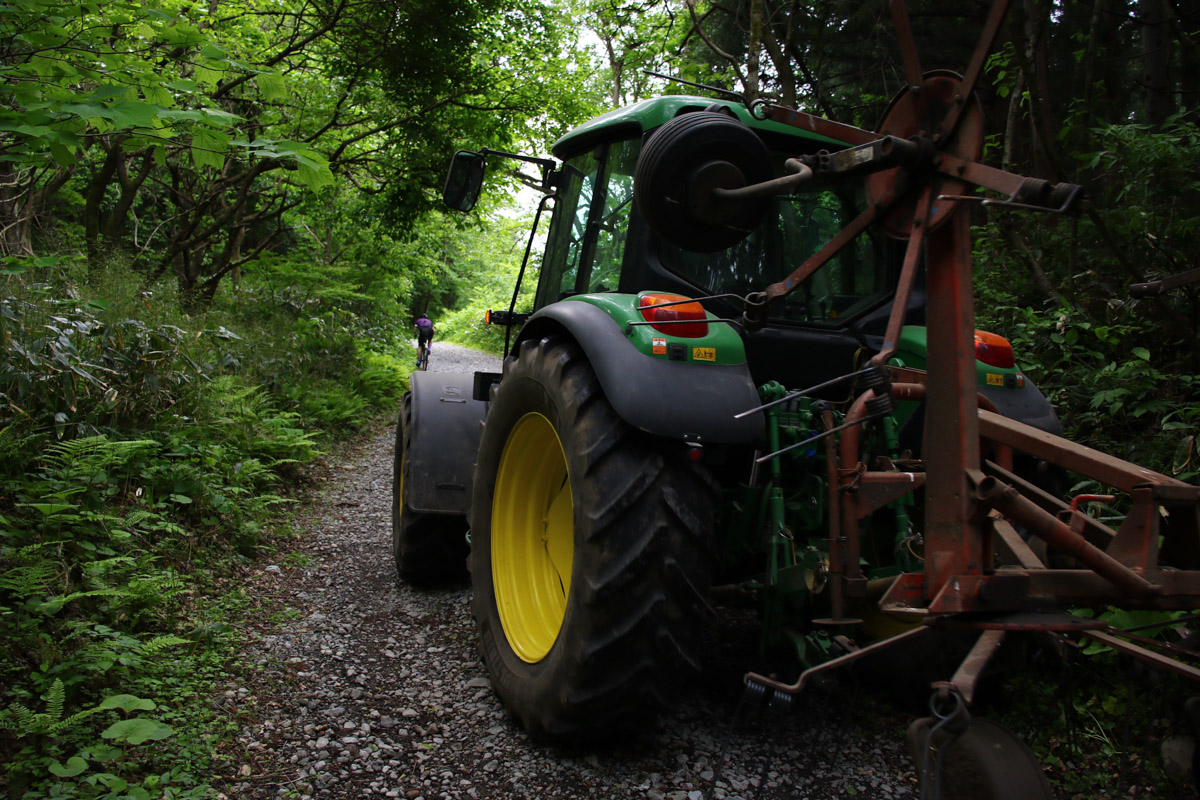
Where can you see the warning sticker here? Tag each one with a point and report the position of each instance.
(704, 354)
(995, 380)
(658, 346)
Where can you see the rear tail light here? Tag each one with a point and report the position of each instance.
(993, 350)
(685, 319)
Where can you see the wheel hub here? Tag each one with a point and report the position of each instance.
(532, 537)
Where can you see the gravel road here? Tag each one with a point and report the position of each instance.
(358, 687)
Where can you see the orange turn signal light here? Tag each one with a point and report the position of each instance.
(683, 317)
(994, 350)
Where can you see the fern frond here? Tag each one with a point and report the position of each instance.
(136, 517)
(30, 580)
(95, 452)
(69, 452)
(55, 604)
(55, 698)
(160, 643)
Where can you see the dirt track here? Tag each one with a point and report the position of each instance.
(370, 689)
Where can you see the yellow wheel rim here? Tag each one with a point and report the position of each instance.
(533, 537)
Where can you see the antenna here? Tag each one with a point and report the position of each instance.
(717, 90)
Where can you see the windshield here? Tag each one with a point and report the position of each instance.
(588, 250)
(796, 227)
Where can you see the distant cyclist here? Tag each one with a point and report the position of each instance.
(424, 332)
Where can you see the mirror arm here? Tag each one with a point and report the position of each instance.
(512, 304)
(546, 164)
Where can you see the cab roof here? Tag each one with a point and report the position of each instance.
(637, 119)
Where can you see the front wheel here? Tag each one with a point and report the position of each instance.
(429, 549)
(590, 553)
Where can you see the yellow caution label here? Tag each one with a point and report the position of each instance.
(704, 354)
(995, 380)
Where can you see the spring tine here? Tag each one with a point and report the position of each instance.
(754, 693)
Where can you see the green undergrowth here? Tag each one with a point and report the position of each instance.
(1097, 720)
(466, 327)
(147, 457)
(1122, 370)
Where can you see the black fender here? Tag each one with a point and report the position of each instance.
(1026, 404)
(674, 399)
(442, 442)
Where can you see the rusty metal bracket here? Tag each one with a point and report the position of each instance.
(1145, 654)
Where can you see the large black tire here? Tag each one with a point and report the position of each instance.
(679, 166)
(429, 549)
(603, 609)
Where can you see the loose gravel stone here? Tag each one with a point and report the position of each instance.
(375, 689)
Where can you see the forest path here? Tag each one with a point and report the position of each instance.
(359, 687)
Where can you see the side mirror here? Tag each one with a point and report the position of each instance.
(464, 180)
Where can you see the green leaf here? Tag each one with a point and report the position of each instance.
(108, 91)
(181, 498)
(137, 730)
(50, 509)
(208, 148)
(206, 76)
(113, 782)
(63, 156)
(272, 85)
(75, 765)
(103, 752)
(313, 169)
(134, 114)
(1142, 353)
(87, 110)
(127, 702)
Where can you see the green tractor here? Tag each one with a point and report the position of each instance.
(750, 368)
(617, 476)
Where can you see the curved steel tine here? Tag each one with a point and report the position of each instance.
(975, 68)
(908, 46)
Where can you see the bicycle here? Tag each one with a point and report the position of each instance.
(422, 356)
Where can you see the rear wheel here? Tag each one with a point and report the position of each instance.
(590, 553)
(428, 548)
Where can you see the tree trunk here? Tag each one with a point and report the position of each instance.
(24, 194)
(781, 54)
(1156, 62)
(753, 77)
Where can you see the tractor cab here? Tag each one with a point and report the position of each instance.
(600, 242)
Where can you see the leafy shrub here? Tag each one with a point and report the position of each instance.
(1123, 373)
(64, 368)
(466, 327)
(382, 378)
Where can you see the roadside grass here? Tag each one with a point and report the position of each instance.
(149, 459)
